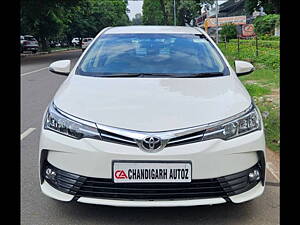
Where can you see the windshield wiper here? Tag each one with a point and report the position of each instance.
(138, 75)
(162, 75)
(209, 74)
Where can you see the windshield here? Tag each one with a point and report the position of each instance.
(162, 54)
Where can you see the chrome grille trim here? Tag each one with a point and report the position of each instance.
(186, 139)
(169, 138)
(116, 138)
(135, 138)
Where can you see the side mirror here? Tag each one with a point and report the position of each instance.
(61, 67)
(243, 68)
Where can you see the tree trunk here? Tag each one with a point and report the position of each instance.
(44, 43)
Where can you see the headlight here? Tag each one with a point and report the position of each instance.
(241, 124)
(63, 123)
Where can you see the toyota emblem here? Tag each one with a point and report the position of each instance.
(151, 143)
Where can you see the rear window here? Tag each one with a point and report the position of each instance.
(151, 53)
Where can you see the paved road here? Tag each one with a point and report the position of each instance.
(37, 89)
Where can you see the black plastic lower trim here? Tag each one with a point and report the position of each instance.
(221, 187)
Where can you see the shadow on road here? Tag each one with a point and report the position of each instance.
(215, 214)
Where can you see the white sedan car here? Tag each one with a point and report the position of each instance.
(152, 116)
(85, 43)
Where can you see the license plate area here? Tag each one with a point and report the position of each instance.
(152, 171)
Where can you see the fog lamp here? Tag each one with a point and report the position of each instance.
(255, 175)
(50, 174)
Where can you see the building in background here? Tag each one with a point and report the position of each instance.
(231, 11)
(134, 7)
(232, 8)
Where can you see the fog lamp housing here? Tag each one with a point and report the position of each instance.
(254, 175)
(50, 174)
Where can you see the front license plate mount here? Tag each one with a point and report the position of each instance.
(151, 171)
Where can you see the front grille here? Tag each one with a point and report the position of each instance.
(116, 138)
(186, 139)
(174, 141)
(105, 188)
(81, 186)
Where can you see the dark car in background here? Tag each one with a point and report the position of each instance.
(28, 43)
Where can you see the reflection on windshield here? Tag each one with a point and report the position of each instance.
(151, 54)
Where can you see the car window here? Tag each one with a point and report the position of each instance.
(29, 38)
(151, 53)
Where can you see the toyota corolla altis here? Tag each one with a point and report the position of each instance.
(152, 116)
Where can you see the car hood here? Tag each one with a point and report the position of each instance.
(152, 104)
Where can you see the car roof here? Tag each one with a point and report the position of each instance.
(153, 29)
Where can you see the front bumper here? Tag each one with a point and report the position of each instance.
(29, 48)
(233, 188)
(246, 196)
(213, 160)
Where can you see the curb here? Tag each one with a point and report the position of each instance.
(273, 163)
(33, 54)
(45, 53)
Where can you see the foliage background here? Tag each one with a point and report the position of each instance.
(63, 20)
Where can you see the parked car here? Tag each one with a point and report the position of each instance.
(28, 43)
(152, 116)
(52, 44)
(64, 44)
(85, 43)
(75, 42)
(58, 44)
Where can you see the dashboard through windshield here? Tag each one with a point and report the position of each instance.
(173, 55)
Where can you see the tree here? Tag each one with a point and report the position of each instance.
(91, 16)
(152, 13)
(162, 12)
(44, 18)
(163, 9)
(228, 31)
(266, 24)
(187, 11)
(270, 6)
(47, 19)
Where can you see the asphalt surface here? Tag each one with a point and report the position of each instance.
(37, 89)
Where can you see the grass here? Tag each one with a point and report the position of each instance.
(62, 49)
(271, 124)
(256, 90)
(263, 84)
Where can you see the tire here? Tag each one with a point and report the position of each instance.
(34, 51)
